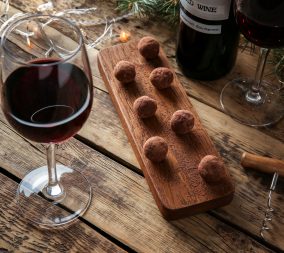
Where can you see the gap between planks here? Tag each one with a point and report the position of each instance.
(139, 172)
(255, 237)
(211, 213)
(203, 102)
(89, 224)
(201, 222)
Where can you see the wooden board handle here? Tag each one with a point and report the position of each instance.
(263, 164)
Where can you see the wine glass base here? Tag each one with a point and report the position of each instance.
(266, 112)
(57, 211)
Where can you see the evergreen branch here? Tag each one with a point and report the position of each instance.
(166, 10)
(140, 7)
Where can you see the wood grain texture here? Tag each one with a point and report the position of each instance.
(16, 235)
(231, 139)
(178, 188)
(104, 131)
(122, 205)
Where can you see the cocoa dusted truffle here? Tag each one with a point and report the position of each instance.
(182, 122)
(145, 107)
(212, 169)
(149, 47)
(156, 149)
(161, 77)
(124, 71)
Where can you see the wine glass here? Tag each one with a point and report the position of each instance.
(256, 102)
(46, 96)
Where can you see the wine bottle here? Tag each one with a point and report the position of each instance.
(208, 38)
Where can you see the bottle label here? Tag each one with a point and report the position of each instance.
(197, 26)
(218, 10)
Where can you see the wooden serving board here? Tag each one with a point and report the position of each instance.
(175, 183)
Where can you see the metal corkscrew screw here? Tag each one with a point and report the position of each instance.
(268, 215)
(266, 165)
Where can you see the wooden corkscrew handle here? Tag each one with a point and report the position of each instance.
(263, 164)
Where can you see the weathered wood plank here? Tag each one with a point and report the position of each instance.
(243, 212)
(231, 139)
(122, 205)
(16, 235)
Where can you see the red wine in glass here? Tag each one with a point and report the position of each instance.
(254, 101)
(262, 22)
(46, 96)
(47, 103)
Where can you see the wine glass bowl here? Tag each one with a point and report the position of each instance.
(47, 94)
(254, 101)
(261, 22)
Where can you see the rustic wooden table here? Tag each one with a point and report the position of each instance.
(123, 215)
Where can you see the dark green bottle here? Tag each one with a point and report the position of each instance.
(208, 38)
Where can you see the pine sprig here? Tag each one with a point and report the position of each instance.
(166, 10)
(140, 7)
(278, 55)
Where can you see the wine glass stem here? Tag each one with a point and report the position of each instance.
(53, 188)
(254, 95)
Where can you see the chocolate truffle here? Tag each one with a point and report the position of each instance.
(148, 47)
(124, 71)
(161, 77)
(212, 169)
(145, 107)
(156, 149)
(182, 122)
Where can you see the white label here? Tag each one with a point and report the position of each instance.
(209, 29)
(218, 10)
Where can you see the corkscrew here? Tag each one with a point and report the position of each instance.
(267, 165)
(268, 214)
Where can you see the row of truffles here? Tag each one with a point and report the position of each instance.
(161, 77)
(149, 48)
(182, 121)
(210, 168)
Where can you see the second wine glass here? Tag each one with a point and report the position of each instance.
(47, 96)
(256, 102)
